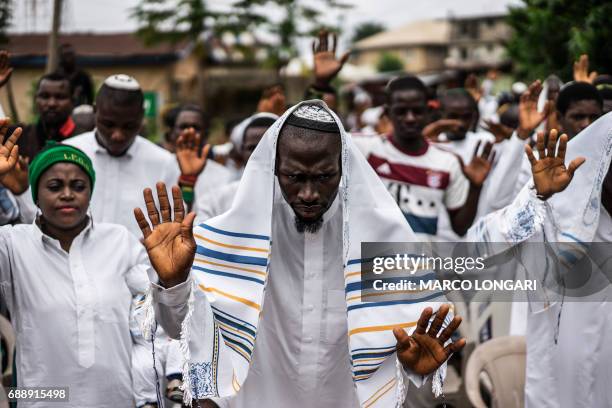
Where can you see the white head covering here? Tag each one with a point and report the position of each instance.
(123, 82)
(218, 342)
(237, 135)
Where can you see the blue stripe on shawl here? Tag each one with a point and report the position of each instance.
(230, 275)
(248, 260)
(373, 348)
(570, 236)
(239, 337)
(235, 325)
(234, 234)
(373, 355)
(218, 311)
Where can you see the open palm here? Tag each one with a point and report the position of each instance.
(9, 151)
(326, 65)
(191, 158)
(529, 117)
(479, 167)
(550, 175)
(169, 242)
(424, 351)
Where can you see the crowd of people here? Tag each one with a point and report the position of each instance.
(231, 273)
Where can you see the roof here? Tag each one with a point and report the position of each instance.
(98, 48)
(425, 32)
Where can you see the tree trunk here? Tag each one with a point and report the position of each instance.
(52, 57)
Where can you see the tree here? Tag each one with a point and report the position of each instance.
(389, 62)
(5, 19)
(549, 35)
(173, 21)
(366, 30)
(176, 20)
(300, 18)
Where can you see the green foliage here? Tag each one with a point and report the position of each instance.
(549, 35)
(366, 30)
(5, 19)
(172, 20)
(176, 20)
(389, 63)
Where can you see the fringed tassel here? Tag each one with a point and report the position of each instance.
(184, 346)
(400, 389)
(437, 383)
(148, 325)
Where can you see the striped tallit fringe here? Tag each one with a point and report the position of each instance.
(400, 390)
(148, 326)
(184, 346)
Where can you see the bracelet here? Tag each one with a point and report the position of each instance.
(187, 180)
(188, 193)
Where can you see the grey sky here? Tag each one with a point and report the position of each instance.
(113, 15)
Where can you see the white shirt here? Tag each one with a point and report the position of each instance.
(71, 311)
(301, 358)
(120, 180)
(213, 177)
(218, 202)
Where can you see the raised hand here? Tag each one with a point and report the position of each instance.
(190, 158)
(529, 117)
(169, 243)
(9, 151)
(434, 129)
(424, 351)
(550, 175)
(16, 180)
(5, 68)
(499, 130)
(272, 101)
(479, 167)
(581, 70)
(326, 65)
(471, 85)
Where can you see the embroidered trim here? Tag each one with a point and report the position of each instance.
(201, 375)
(184, 346)
(527, 219)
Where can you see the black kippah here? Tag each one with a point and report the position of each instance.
(313, 117)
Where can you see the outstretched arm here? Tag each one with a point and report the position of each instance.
(519, 220)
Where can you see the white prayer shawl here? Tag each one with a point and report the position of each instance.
(232, 266)
(567, 353)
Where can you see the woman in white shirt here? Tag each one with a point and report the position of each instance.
(69, 284)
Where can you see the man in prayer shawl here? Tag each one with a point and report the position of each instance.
(568, 357)
(317, 199)
(307, 189)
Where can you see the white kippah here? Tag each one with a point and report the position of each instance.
(313, 112)
(122, 81)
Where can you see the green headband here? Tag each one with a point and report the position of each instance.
(58, 153)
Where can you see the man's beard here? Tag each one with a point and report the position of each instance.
(308, 226)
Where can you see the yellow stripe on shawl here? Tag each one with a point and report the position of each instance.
(381, 391)
(230, 267)
(244, 248)
(230, 296)
(380, 328)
